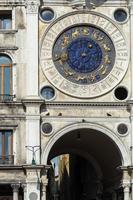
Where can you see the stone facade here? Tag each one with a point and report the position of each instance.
(93, 121)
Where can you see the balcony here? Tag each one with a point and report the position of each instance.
(9, 159)
(6, 97)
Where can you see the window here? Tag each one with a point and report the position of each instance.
(5, 20)
(6, 147)
(47, 92)
(47, 14)
(5, 77)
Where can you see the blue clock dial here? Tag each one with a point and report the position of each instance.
(84, 54)
(87, 57)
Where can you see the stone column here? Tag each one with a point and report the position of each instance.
(44, 185)
(24, 186)
(126, 184)
(15, 191)
(32, 48)
(126, 190)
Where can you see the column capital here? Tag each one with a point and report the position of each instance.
(32, 6)
(126, 187)
(44, 181)
(24, 186)
(15, 187)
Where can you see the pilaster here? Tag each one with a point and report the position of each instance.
(32, 48)
(32, 129)
(130, 5)
(33, 181)
(126, 182)
(44, 185)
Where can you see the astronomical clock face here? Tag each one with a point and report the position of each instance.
(84, 55)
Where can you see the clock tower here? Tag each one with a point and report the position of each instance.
(85, 77)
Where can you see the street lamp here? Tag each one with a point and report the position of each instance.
(33, 149)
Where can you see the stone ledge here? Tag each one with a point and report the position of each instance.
(8, 31)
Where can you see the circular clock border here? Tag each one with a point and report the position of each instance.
(92, 90)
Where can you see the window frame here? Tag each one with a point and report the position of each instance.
(3, 66)
(5, 15)
(3, 148)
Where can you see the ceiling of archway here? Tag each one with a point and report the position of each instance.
(95, 143)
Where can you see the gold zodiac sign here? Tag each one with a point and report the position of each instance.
(65, 41)
(92, 78)
(75, 34)
(106, 59)
(106, 47)
(68, 73)
(85, 31)
(64, 57)
(103, 70)
(80, 78)
(98, 37)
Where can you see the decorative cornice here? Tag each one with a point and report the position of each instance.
(12, 2)
(32, 101)
(8, 48)
(87, 104)
(76, 3)
(24, 167)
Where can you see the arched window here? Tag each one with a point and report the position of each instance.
(5, 76)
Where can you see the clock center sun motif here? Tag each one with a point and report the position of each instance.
(84, 54)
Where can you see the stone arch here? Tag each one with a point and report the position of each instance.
(125, 157)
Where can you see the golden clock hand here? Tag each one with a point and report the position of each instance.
(57, 58)
(63, 57)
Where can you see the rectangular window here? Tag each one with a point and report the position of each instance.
(5, 20)
(6, 147)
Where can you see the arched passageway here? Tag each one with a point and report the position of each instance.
(92, 172)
